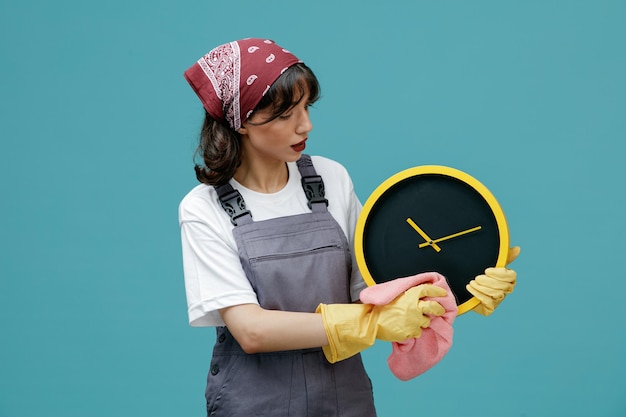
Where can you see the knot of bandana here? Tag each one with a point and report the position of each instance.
(232, 78)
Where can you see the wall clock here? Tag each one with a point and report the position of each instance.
(431, 219)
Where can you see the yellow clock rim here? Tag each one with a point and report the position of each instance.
(422, 170)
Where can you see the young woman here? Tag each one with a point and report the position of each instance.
(267, 239)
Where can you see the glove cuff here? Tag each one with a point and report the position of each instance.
(348, 329)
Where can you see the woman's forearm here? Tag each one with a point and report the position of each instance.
(259, 330)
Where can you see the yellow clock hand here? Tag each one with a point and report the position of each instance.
(441, 239)
(429, 241)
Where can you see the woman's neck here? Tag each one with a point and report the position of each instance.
(262, 176)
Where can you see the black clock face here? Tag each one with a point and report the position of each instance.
(431, 223)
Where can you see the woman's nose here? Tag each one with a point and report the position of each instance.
(304, 122)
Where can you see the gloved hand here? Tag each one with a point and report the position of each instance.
(513, 254)
(412, 357)
(352, 328)
(491, 288)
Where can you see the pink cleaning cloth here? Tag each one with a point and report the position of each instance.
(413, 357)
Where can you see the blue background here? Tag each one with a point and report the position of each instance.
(97, 133)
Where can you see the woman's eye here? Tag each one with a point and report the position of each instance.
(284, 116)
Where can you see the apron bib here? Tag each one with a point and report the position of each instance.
(293, 263)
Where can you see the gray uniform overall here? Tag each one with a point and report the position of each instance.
(293, 263)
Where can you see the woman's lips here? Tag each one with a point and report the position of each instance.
(299, 147)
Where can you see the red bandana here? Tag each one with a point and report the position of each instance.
(231, 79)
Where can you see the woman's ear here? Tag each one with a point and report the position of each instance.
(242, 131)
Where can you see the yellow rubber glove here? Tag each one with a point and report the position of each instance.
(491, 288)
(352, 328)
(513, 254)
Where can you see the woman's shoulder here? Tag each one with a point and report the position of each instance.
(197, 203)
(324, 165)
(337, 180)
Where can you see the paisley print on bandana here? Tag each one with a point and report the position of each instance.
(232, 78)
(222, 68)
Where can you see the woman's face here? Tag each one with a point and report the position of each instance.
(282, 139)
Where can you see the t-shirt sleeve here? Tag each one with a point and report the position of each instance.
(214, 277)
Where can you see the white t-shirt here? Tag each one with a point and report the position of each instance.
(214, 277)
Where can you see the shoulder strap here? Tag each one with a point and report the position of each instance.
(312, 184)
(232, 202)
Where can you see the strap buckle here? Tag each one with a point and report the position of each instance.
(313, 186)
(234, 206)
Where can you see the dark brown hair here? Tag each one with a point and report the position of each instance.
(220, 146)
